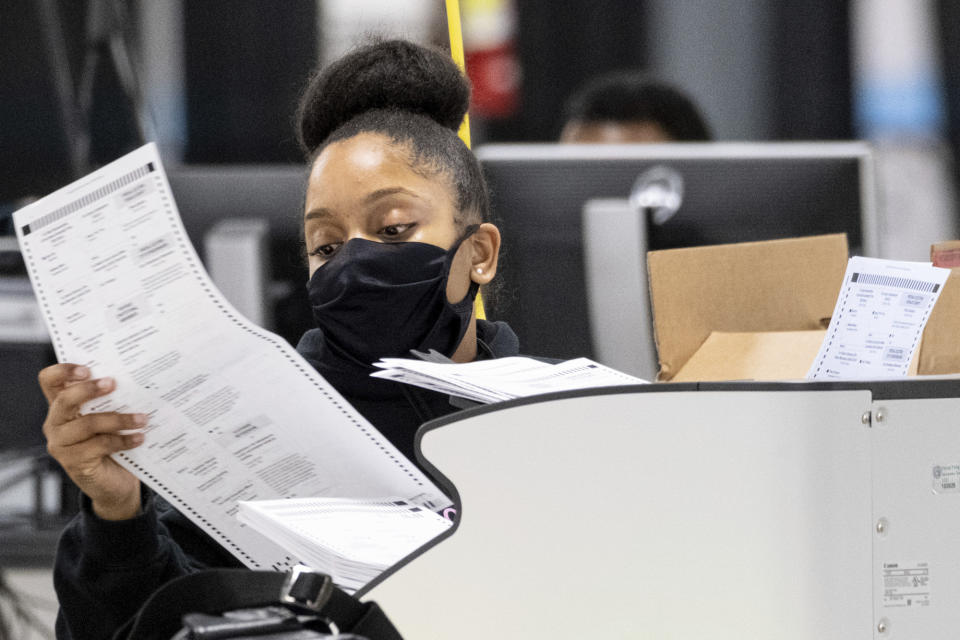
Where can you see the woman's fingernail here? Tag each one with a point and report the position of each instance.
(104, 383)
(140, 419)
(81, 372)
(136, 439)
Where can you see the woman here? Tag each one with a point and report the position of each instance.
(396, 246)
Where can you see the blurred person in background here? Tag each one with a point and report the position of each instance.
(629, 107)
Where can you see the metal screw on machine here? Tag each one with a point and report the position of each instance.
(881, 415)
(882, 525)
(882, 626)
(865, 418)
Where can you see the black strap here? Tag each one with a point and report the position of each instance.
(218, 590)
(374, 624)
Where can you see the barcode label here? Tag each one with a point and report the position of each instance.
(945, 478)
(900, 283)
(88, 199)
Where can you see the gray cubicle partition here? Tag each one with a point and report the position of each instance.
(795, 511)
(618, 292)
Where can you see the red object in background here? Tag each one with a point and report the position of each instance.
(495, 74)
(489, 38)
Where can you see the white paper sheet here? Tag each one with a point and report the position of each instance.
(503, 378)
(352, 541)
(234, 412)
(878, 320)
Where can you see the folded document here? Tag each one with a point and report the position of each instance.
(487, 381)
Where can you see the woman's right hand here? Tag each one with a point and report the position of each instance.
(82, 444)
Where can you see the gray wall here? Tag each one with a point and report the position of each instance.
(721, 53)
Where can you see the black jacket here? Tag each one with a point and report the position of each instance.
(104, 571)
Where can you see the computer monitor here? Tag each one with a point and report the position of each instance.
(692, 194)
(209, 196)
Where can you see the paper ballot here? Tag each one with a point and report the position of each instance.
(234, 412)
(501, 379)
(878, 320)
(352, 541)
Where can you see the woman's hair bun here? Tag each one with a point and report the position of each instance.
(387, 74)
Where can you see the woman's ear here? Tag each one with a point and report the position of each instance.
(485, 243)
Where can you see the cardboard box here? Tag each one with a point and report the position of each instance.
(940, 347)
(746, 288)
(756, 355)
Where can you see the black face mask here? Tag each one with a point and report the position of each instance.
(377, 300)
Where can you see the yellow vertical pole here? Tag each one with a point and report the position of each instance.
(456, 51)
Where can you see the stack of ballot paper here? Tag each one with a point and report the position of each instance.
(352, 541)
(500, 379)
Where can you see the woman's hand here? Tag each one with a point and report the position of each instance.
(82, 444)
